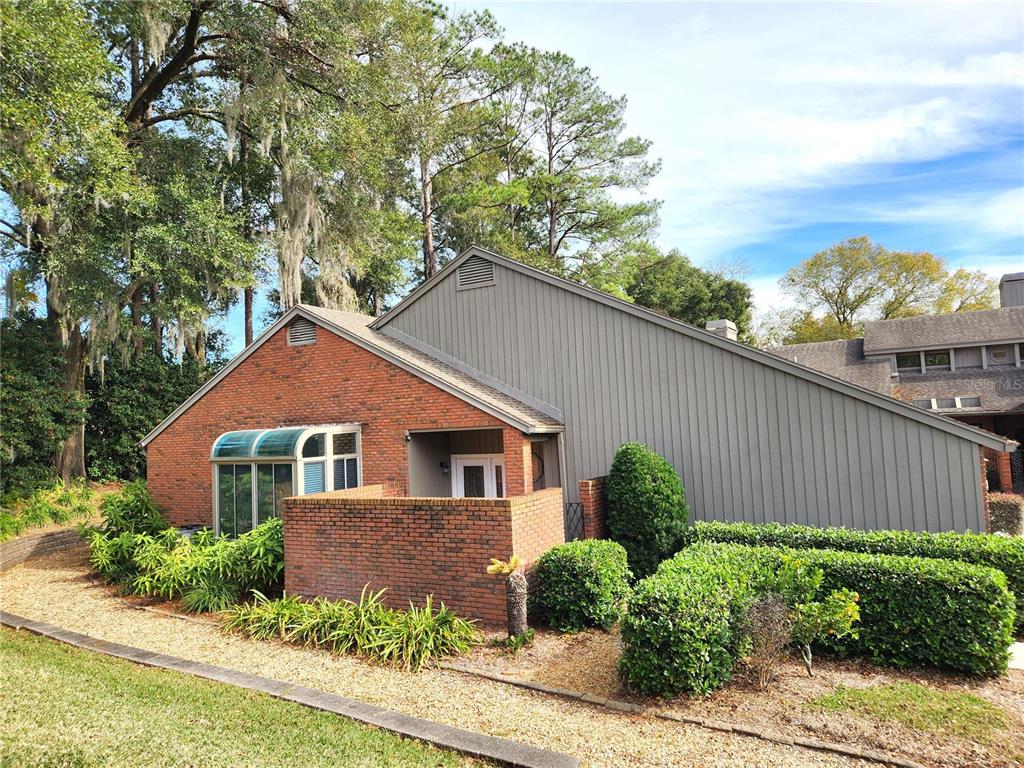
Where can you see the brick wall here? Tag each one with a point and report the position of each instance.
(332, 381)
(35, 544)
(595, 515)
(335, 543)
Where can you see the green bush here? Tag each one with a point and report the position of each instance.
(683, 630)
(56, 503)
(581, 584)
(913, 610)
(647, 510)
(1001, 552)
(408, 639)
(132, 510)
(207, 573)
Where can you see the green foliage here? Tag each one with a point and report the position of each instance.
(1001, 552)
(671, 285)
(647, 510)
(408, 639)
(581, 584)
(208, 573)
(36, 411)
(956, 714)
(513, 644)
(56, 504)
(131, 510)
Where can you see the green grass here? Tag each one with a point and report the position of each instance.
(61, 707)
(943, 713)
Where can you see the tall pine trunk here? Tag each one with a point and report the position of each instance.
(426, 205)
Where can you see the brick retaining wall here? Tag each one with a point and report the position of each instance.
(335, 543)
(34, 544)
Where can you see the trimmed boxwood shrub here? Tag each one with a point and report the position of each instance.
(1003, 553)
(647, 510)
(682, 634)
(581, 584)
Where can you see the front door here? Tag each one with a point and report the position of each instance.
(481, 477)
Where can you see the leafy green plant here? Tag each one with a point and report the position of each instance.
(513, 644)
(581, 584)
(408, 639)
(55, 503)
(647, 510)
(132, 510)
(834, 616)
(1005, 553)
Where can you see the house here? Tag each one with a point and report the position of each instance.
(495, 380)
(968, 366)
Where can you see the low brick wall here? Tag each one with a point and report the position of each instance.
(335, 543)
(595, 514)
(34, 544)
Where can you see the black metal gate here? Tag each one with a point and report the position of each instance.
(573, 521)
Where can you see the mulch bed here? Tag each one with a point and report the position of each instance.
(587, 662)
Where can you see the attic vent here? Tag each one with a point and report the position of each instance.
(301, 331)
(475, 273)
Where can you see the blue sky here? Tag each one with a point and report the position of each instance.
(784, 128)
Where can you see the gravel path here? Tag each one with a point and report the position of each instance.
(56, 589)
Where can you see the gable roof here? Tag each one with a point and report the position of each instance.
(985, 326)
(355, 328)
(959, 429)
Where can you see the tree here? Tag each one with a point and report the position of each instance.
(966, 291)
(673, 286)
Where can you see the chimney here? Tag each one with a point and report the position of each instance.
(724, 328)
(1011, 290)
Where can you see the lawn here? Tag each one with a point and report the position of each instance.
(60, 706)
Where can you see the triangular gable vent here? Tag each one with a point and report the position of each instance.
(475, 272)
(301, 331)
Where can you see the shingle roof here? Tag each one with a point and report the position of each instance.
(1001, 391)
(504, 405)
(987, 326)
(843, 359)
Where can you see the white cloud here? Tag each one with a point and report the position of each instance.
(752, 106)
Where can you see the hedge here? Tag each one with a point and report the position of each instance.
(681, 633)
(581, 584)
(1003, 553)
(647, 512)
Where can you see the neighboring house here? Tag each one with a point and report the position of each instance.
(965, 365)
(495, 379)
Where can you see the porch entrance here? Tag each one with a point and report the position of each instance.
(478, 477)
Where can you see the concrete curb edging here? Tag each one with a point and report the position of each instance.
(504, 751)
(715, 725)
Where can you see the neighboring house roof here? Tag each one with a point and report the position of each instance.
(807, 373)
(355, 328)
(1001, 391)
(843, 359)
(987, 326)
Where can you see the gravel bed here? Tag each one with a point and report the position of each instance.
(57, 589)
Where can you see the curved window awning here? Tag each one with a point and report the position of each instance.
(285, 443)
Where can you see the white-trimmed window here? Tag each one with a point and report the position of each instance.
(255, 470)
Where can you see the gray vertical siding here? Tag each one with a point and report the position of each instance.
(750, 442)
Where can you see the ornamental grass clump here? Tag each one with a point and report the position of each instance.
(581, 584)
(407, 639)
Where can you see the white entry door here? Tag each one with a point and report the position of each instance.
(481, 477)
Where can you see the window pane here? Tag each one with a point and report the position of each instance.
(499, 481)
(313, 477)
(945, 402)
(937, 359)
(243, 498)
(283, 487)
(1000, 355)
(264, 492)
(278, 442)
(473, 481)
(970, 402)
(926, 404)
(351, 473)
(908, 360)
(344, 443)
(314, 446)
(226, 498)
(235, 443)
(339, 475)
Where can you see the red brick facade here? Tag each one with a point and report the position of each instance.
(332, 381)
(595, 515)
(335, 543)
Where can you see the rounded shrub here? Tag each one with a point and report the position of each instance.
(581, 584)
(647, 512)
